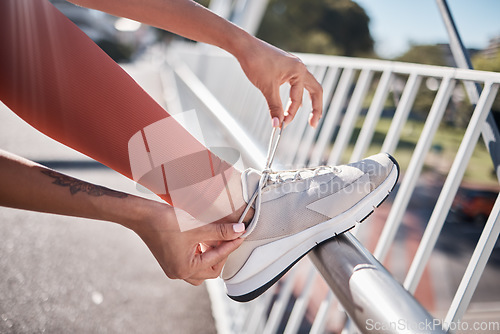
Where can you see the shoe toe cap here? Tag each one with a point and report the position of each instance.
(378, 167)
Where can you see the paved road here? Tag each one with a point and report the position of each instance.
(61, 274)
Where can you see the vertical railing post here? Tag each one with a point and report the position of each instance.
(332, 116)
(372, 116)
(490, 132)
(352, 112)
(416, 163)
(402, 111)
(450, 187)
(475, 267)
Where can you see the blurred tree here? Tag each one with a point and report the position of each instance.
(424, 54)
(485, 62)
(318, 26)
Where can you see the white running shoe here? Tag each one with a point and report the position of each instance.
(295, 211)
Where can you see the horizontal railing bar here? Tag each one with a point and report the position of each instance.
(363, 286)
(382, 65)
(238, 135)
(400, 67)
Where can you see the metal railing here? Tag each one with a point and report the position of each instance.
(207, 79)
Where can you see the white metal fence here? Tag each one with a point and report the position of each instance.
(356, 92)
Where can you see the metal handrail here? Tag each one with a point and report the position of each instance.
(374, 300)
(351, 271)
(339, 75)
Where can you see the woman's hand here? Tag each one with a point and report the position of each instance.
(183, 254)
(30, 186)
(268, 67)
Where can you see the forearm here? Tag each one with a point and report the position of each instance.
(266, 66)
(30, 186)
(183, 17)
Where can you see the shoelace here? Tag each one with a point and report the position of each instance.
(296, 175)
(271, 151)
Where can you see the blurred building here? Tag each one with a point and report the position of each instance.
(493, 48)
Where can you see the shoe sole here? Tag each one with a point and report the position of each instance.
(306, 240)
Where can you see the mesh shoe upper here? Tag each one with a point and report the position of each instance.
(293, 201)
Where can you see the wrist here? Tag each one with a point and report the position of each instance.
(238, 42)
(134, 212)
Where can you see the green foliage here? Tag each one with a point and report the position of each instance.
(492, 64)
(485, 63)
(424, 54)
(317, 26)
(445, 146)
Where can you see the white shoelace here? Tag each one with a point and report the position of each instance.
(297, 174)
(278, 177)
(271, 151)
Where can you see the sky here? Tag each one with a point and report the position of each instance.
(394, 24)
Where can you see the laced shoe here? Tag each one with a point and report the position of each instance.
(295, 211)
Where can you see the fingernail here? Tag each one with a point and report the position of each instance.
(276, 122)
(313, 121)
(238, 228)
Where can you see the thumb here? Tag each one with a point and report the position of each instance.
(215, 231)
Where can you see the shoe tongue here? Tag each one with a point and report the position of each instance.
(249, 182)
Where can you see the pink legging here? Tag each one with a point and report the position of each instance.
(56, 79)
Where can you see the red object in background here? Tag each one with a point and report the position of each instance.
(474, 205)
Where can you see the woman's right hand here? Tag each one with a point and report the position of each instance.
(180, 253)
(269, 67)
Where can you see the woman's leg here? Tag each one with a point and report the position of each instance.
(55, 78)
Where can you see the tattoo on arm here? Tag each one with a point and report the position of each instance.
(76, 185)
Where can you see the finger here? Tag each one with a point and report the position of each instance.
(216, 232)
(204, 246)
(214, 256)
(296, 93)
(218, 267)
(316, 93)
(209, 264)
(210, 272)
(273, 99)
(194, 281)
